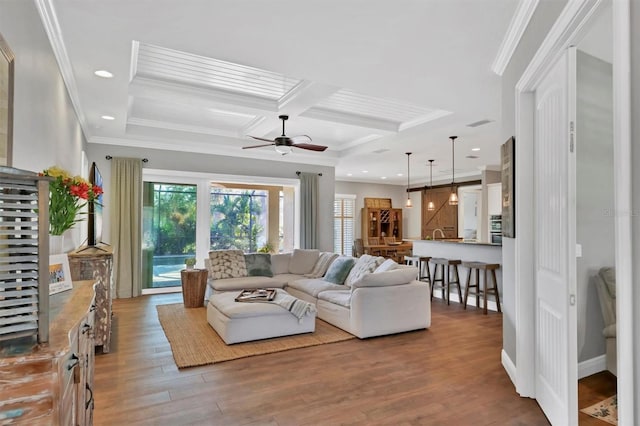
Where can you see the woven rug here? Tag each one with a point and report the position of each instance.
(194, 342)
(606, 410)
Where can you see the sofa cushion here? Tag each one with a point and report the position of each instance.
(280, 263)
(608, 275)
(338, 297)
(229, 284)
(313, 286)
(387, 265)
(258, 264)
(322, 264)
(227, 264)
(339, 269)
(398, 276)
(303, 261)
(365, 264)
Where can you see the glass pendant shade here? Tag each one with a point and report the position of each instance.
(453, 198)
(409, 203)
(430, 205)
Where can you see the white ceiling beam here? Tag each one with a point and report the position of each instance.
(351, 119)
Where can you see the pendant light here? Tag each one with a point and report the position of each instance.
(453, 197)
(430, 205)
(408, 204)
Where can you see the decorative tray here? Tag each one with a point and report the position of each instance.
(256, 295)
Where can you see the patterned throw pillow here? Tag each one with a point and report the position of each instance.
(322, 264)
(258, 264)
(227, 264)
(366, 264)
(339, 269)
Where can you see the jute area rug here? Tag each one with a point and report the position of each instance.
(606, 410)
(194, 342)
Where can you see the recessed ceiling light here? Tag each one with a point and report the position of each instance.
(365, 171)
(349, 174)
(107, 117)
(475, 149)
(103, 74)
(399, 174)
(383, 177)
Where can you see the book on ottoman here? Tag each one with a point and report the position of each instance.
(257, 295)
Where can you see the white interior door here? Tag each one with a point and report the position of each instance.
(554, 200)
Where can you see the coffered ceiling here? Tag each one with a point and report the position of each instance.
(370, 79)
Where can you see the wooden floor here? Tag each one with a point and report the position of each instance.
(592, 390)
(448, 375)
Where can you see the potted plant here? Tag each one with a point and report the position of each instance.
(190, 262)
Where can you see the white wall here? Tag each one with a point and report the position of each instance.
(46, 131)
(595, 195)
(184, 161)
(543, 18)
(398, 195)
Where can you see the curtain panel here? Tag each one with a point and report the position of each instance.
(126, 225)
(309, 188)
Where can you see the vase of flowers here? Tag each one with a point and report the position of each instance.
(67, 196)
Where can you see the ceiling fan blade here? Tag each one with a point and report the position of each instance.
(309, 146)
(261, 139)
(301, 139)
(259, 146)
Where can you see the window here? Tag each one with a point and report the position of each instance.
(239, 219)
(343, 213)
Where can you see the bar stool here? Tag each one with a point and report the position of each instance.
(445, 281)
(474, 269)
(422, 263)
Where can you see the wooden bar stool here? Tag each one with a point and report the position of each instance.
(445, 281)
(422, 263)
(474, 269)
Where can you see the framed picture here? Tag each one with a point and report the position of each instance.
(59, 274)
(6, 102)
(507, 151)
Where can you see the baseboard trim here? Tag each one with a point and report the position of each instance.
(509, 366)
(453, 297)
(592, 366)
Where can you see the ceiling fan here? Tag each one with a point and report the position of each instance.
(284, 143)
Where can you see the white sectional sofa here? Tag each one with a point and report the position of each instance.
(374, 300)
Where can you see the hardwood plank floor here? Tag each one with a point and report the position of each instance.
(592, 390)
(448, 375)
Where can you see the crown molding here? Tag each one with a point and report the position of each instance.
(51, 26)
(144, 122)
(514, 33)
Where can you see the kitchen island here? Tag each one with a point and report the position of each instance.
(467, 252)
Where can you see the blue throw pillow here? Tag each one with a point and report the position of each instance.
(339, 269)
(258, 264)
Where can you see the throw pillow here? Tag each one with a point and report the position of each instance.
(321, 266)
(398, 276)
(258, 264)
(280, 263)
(339, 269)
(227, 264)
(303, 261)
(387, 265)
(365, 264)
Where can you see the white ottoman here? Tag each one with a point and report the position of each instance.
(239, 322)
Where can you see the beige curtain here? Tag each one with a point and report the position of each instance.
(308, 210)
(126, 225)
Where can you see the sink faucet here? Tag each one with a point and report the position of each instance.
(433, 234)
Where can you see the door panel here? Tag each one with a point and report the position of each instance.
(556, 351)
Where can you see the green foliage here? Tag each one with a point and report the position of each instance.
(190, 261)
(266, 248)
(174, 219)
(236, 221)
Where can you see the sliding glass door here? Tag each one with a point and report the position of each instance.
(169, 232)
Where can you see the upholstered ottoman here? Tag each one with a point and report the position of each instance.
(239, 322)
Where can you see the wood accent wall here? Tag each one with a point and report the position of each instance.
(444, 216)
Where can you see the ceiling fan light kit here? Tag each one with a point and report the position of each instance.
(284, 144)
(453, 198)
(408, 204)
